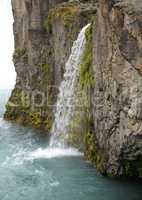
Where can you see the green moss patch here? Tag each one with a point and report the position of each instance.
(20, 111)
(86, 74)
(65, 12)
(19, 53)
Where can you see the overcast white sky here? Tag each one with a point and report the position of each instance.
(7, 73)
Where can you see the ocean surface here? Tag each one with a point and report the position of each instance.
(29, 170)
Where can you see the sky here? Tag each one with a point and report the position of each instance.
(7, 72)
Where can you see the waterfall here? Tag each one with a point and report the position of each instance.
(66, 98)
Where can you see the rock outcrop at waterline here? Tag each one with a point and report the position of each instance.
(110, 77)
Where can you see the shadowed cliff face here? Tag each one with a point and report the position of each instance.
(117, 98)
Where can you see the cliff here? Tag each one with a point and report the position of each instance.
(44, 32)
(109, 125)
(116, 99)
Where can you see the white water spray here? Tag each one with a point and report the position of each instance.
(66, 98)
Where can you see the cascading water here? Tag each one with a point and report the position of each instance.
(66, 98)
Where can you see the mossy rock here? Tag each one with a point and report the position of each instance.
(22, 112)
(66, 13)
(86, 73)
(93, 153)
(19, 53)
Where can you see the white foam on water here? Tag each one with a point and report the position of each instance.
(1, 121)
(50, 153)
(55, 184)
(4, 124)
(22, 155)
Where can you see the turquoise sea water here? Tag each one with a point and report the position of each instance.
(29, 170)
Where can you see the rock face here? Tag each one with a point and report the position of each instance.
(111, 73)
(117, 98)
(44, 33)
